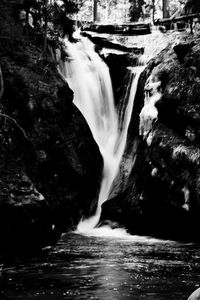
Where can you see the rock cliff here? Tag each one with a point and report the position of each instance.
(161, 196)
(50, 165)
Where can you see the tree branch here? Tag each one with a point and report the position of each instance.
(1, 84)
(17, 125)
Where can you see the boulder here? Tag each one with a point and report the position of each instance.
(182, 50)
(195, 295)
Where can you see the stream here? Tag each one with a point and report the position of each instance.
(81, 267)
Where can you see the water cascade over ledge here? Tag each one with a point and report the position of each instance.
(90, 80)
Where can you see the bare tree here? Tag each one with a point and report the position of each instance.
(45, 27)
(95, 10)
(1, 83)
(165, 9)
(153, 11)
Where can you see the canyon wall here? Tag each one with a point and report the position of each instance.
(160, 197)
(50, 165)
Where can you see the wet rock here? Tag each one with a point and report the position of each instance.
(25, 217)
(118, 64)
(195, 295)
(109, 224)
(149, 112)
(182, 50)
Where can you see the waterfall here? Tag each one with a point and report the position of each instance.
(90, 80)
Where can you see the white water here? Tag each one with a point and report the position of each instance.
(90, 80)
(149, 111)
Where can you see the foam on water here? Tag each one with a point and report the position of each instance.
(121, 234)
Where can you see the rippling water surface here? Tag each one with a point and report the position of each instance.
(105, 268)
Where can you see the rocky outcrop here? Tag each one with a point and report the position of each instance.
(50, 165)
(118, 64)
(161, 197)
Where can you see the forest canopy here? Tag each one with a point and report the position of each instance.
(122, 11)
(54, 17)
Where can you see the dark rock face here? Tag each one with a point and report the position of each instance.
(118, 64)
(50, 165)
(182, 50)
(161, 195)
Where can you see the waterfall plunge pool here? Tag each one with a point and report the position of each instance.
(102, 268)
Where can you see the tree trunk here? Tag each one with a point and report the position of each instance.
(153, 11)
(45, 28)
(94, 10)
(1, 84)
(107, 10)
(124, 12)
(27, 24)
(165, 9)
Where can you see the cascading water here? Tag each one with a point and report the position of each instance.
(90, 80)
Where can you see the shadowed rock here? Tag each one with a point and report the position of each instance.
(195, 295)
(182, 50)
(161, 194)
